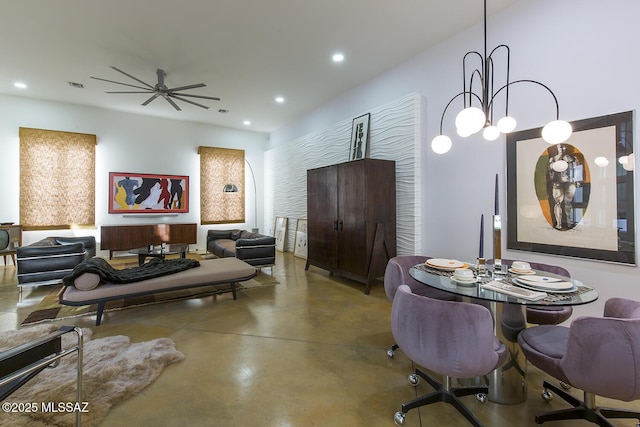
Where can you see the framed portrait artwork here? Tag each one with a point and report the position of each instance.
(359, 148)
(300, 249)
(280, 232)
(575, 198)
(148, 193)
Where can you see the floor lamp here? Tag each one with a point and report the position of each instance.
(232, 188)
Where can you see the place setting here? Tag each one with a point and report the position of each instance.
(545, 283)
(521, 267)
(464, 276)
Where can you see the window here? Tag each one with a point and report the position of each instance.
(221, 185)
(57, 179)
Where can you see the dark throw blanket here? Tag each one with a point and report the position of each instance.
(154, 268)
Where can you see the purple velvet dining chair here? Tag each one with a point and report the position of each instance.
(599, 355)
(397, 273)
(453, 339)
(545, 315)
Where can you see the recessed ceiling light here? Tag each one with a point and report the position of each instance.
(246, 122)
(20, 85)
(337, 57)
(279, 99)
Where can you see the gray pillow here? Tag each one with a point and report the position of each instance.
(87, 281)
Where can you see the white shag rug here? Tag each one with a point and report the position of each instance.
(115, 369)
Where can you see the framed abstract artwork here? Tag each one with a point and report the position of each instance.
(280, 232)
(148, 193)
(300, 249)
(575, 198)
(359, 148)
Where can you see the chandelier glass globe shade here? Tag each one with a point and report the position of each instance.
(507, 124)
(560, 165)
(556, 132)
(601, 161)
(491, 133)
(470, 120)
(441, 144)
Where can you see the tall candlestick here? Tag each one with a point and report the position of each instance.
(497, 245)
(481, 251)
(496, 211)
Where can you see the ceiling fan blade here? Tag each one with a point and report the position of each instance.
(196, 96)
(134, 91)
(186, 100)
(119, 83)
(130, 76)
(155, 95)
(197, 85)
(170, 101)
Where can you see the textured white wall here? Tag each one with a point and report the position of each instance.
(394, 130)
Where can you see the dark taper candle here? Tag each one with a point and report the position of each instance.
(481, 251)
(497, 211)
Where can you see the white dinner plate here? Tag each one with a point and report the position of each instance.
(518, 271)
(559, 286)
(445, 264)
(547, 283)
(543, 279)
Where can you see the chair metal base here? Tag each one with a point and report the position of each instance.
(583, 410)
(392, 351)
(446, 393)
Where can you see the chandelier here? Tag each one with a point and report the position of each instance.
(479, 93)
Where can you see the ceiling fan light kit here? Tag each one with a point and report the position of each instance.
(160, 89)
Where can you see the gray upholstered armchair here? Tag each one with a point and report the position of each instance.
(454, 339)
(599, 355)
(397, 273)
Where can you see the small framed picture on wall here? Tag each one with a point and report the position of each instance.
(359, 148)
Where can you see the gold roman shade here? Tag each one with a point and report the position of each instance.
(57, 179)
(219, 167)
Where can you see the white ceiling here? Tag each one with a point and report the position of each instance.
(246, 51)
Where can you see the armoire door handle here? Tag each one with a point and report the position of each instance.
(341, 225)
(335, 225)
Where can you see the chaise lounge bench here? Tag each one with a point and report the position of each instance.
(210, 272)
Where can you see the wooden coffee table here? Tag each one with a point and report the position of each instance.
(157, 252)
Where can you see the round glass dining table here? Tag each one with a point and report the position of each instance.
(507, 384)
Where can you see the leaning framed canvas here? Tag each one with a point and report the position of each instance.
(300, 249)
(280, 232)
(359, 148)
(575, 198)
(148, 193)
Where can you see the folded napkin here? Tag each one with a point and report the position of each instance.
(514, 291)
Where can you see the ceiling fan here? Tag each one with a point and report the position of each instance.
(161, 90)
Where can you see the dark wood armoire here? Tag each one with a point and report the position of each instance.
(351, 213)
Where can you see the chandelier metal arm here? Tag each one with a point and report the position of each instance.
(508, 71)
(451, 101)
(464, 75)
(506, 86)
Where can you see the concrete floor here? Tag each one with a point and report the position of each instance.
(310, 351)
